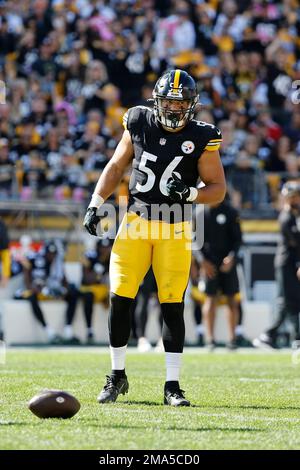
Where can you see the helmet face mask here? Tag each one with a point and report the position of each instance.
(175, 97)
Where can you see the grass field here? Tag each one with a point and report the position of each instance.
(243, 400)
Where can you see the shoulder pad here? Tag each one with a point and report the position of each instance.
(213, 135)
(133, 115)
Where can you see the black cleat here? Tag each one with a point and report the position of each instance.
(56, 340)
(175, 397)
(232, 345)
(112, 389)
(90, 339)
(200, 340)
(73, 341)
(211, 345)
(243, 342)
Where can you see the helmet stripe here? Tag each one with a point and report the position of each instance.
(176, 79)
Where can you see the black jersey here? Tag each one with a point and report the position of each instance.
(40, 267)
(222, 233)
(157, 153)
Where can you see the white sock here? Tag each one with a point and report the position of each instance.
(118, 357)
(200, 329)
(239, 330)
(50, 332)
(68, 331)
(173, 364)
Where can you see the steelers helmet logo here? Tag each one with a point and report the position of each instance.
(188, 146)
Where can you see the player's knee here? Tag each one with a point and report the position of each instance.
(127, 289)
(170, 297)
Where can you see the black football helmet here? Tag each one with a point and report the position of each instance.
(175, 85)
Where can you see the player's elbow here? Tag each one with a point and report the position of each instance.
(220, 192)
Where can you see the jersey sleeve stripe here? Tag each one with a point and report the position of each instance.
(212, 147)
(215, 140)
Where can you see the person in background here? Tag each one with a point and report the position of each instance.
(222, 241)
(44, 279)
(197, 298)
(287, 269)
(140, 310)
(95, 281)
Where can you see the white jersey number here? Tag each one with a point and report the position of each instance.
(148, 185)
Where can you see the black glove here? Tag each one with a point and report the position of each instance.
(177, 189)
(91, 220)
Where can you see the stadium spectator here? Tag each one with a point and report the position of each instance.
(60, 60)
(6, 170)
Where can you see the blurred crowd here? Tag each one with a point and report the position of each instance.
(71, 68)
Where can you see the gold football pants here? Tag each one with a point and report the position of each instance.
(140, 243)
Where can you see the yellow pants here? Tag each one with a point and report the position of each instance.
(100, 291)
(199, 296)
(140, 243)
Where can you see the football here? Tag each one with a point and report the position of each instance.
(54, 404)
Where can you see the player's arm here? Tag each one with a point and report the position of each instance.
(115, 169)
(108, 181)
(211, 172)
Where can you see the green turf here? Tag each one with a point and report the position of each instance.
(240, 401)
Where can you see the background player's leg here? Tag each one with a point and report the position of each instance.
(232, 315)
(198, 322)
(88, 306)
(38, 314)
(209, 314)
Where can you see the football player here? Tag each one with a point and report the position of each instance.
(94, 284)
(44, 279)
(169, 150)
